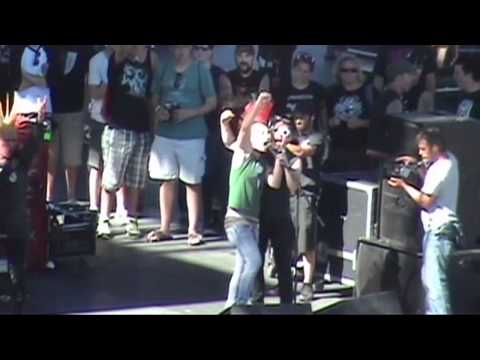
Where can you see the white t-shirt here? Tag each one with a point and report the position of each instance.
(442, 180)
(35, 62)
(98, 75)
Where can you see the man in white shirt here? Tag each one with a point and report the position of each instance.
(439, 200)
(97, 83)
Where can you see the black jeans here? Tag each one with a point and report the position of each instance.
(281, 234)
(215, 181)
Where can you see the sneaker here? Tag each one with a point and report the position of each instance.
(103, 229)
(306, 294)
(133, 229)
(120, 219)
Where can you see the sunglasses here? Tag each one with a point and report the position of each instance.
(202, 48)
(177, 84)
(351, 71)
(306, 58)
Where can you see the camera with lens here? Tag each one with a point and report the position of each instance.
(170, 107)
(408, 172)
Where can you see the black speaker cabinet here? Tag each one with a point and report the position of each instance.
(462, 138)
(348, 208)
(382, 267)
(399, 218)
(464, 281)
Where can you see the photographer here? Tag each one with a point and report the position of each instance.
(438, 199)
(19, 140)
(183, 94)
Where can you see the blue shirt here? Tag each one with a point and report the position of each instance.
(188, 90)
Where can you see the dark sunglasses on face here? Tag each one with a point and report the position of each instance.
(202, 48)
(306, 58)
(351, 71)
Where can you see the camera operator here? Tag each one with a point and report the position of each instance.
(438, 199)
(19, 140)
(184, 94)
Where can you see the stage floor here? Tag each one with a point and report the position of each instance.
(131, 277)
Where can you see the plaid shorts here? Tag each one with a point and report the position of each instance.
(125, 158)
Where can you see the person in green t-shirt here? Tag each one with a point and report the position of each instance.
(247, 179)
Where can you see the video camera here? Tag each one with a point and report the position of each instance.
(411, 173)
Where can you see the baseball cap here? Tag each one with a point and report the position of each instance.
(399, 68)
(249, 49)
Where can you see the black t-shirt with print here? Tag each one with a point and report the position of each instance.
(66, 77)
(312, 97)
(129, 85)
(423, 57)
(376, 133)
(347, 105)
(469, 107)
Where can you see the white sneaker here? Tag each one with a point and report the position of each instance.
(103, 229)
(120, 219)
(133, 230)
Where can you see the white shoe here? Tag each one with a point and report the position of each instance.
(121, 219)
(132, 228)
(103, 229)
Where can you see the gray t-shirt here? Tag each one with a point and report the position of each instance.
(189, 90)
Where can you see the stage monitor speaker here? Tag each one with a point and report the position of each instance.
(462, 140)
(381, 267)
(385, 303)
(300, 309)
(464, 281)
(399, 218)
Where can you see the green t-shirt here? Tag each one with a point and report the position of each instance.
(188, 90)
(247, 178)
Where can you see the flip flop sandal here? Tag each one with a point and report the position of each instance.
(158, 236)
(195, 240)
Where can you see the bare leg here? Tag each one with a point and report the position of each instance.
(94, 188)
(106, 204)
(195, 209)
(168, 199)
(52, 168)
(309, 267)
(121, 202)
(72, 180)
(132, 202)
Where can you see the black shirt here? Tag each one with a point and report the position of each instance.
(275, 204)
(247, 87)
(66, 77)
(469, 107)
(129, 85)
(423, 57)
(377, 131)
(10, 73)
(312, 97)
(346, 105)
(212, 118)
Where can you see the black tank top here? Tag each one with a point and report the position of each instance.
(130, 86)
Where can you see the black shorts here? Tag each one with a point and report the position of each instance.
(95, 159)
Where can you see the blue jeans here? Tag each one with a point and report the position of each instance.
(437, 253)
(247, 263)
